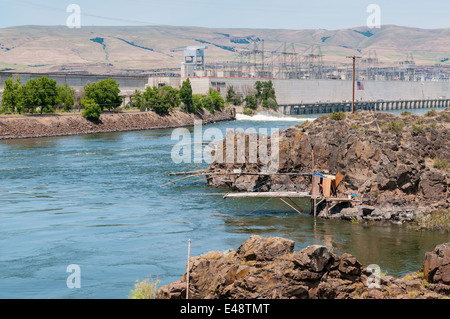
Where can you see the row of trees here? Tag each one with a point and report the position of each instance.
(45, 95)
(163, 100)
(42, 93)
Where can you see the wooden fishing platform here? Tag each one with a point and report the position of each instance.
(315, 201)
(324, 189)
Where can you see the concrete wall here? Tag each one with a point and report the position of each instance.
(287, 91)
(127, 83)
(310, 91)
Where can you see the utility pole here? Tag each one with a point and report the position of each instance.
(353, 57)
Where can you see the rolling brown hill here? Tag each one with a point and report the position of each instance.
(134, 50)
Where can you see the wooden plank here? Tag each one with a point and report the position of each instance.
(339, 178)
(341, 199)
(327, 187)
(266, 195)
(315, 191)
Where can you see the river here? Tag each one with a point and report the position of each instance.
(95, 201)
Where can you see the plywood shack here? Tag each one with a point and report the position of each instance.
(325, 185)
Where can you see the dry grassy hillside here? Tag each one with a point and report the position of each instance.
(138, 49)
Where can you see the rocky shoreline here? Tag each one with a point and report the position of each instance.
(398, 165)
(268, 268)
(12, 127)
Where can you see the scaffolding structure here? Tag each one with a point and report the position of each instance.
(285, 62)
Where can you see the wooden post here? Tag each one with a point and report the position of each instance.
(187, 272)
(315, 208)
(353, 57)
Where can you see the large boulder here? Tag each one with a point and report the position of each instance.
(314, 258)
(262, 249)
(436, 267)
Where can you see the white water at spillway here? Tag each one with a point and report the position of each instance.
(269, 117)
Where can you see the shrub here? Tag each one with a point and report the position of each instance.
(444, 115)
(441, 164)
(431, 112)
(91, 110)
(354, 126)
(420, 121)
(418, 128)
(322, 117)
(248, 111)
(251, 102)
(337, 116)
(405, 113)
(395, 126)
(144, 289)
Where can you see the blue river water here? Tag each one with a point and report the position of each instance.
(96, 201)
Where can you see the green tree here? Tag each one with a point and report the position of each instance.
(137, 100)
(66, 96)
(105, 93)
(91, 110)
(48, 94)
(217, 100)
(232, 97)
(30, 95)
(186, 96)
(161, 101)
(265, 94)
(197, 101)
(259, 88)
(251, 102)
(11, 97)
(150, 97)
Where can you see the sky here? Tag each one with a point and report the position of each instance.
(272, 14)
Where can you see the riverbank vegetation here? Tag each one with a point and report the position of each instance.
(437, 220)
(44, 95)
(41, 94)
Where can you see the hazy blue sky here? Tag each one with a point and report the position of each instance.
(283, 14)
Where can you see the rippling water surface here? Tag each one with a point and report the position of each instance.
(96, 201)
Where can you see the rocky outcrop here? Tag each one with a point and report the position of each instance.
(74, 124)
(269, 268)
(436, 268)
(398, 165)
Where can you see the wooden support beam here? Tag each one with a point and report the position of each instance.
(290, 205)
